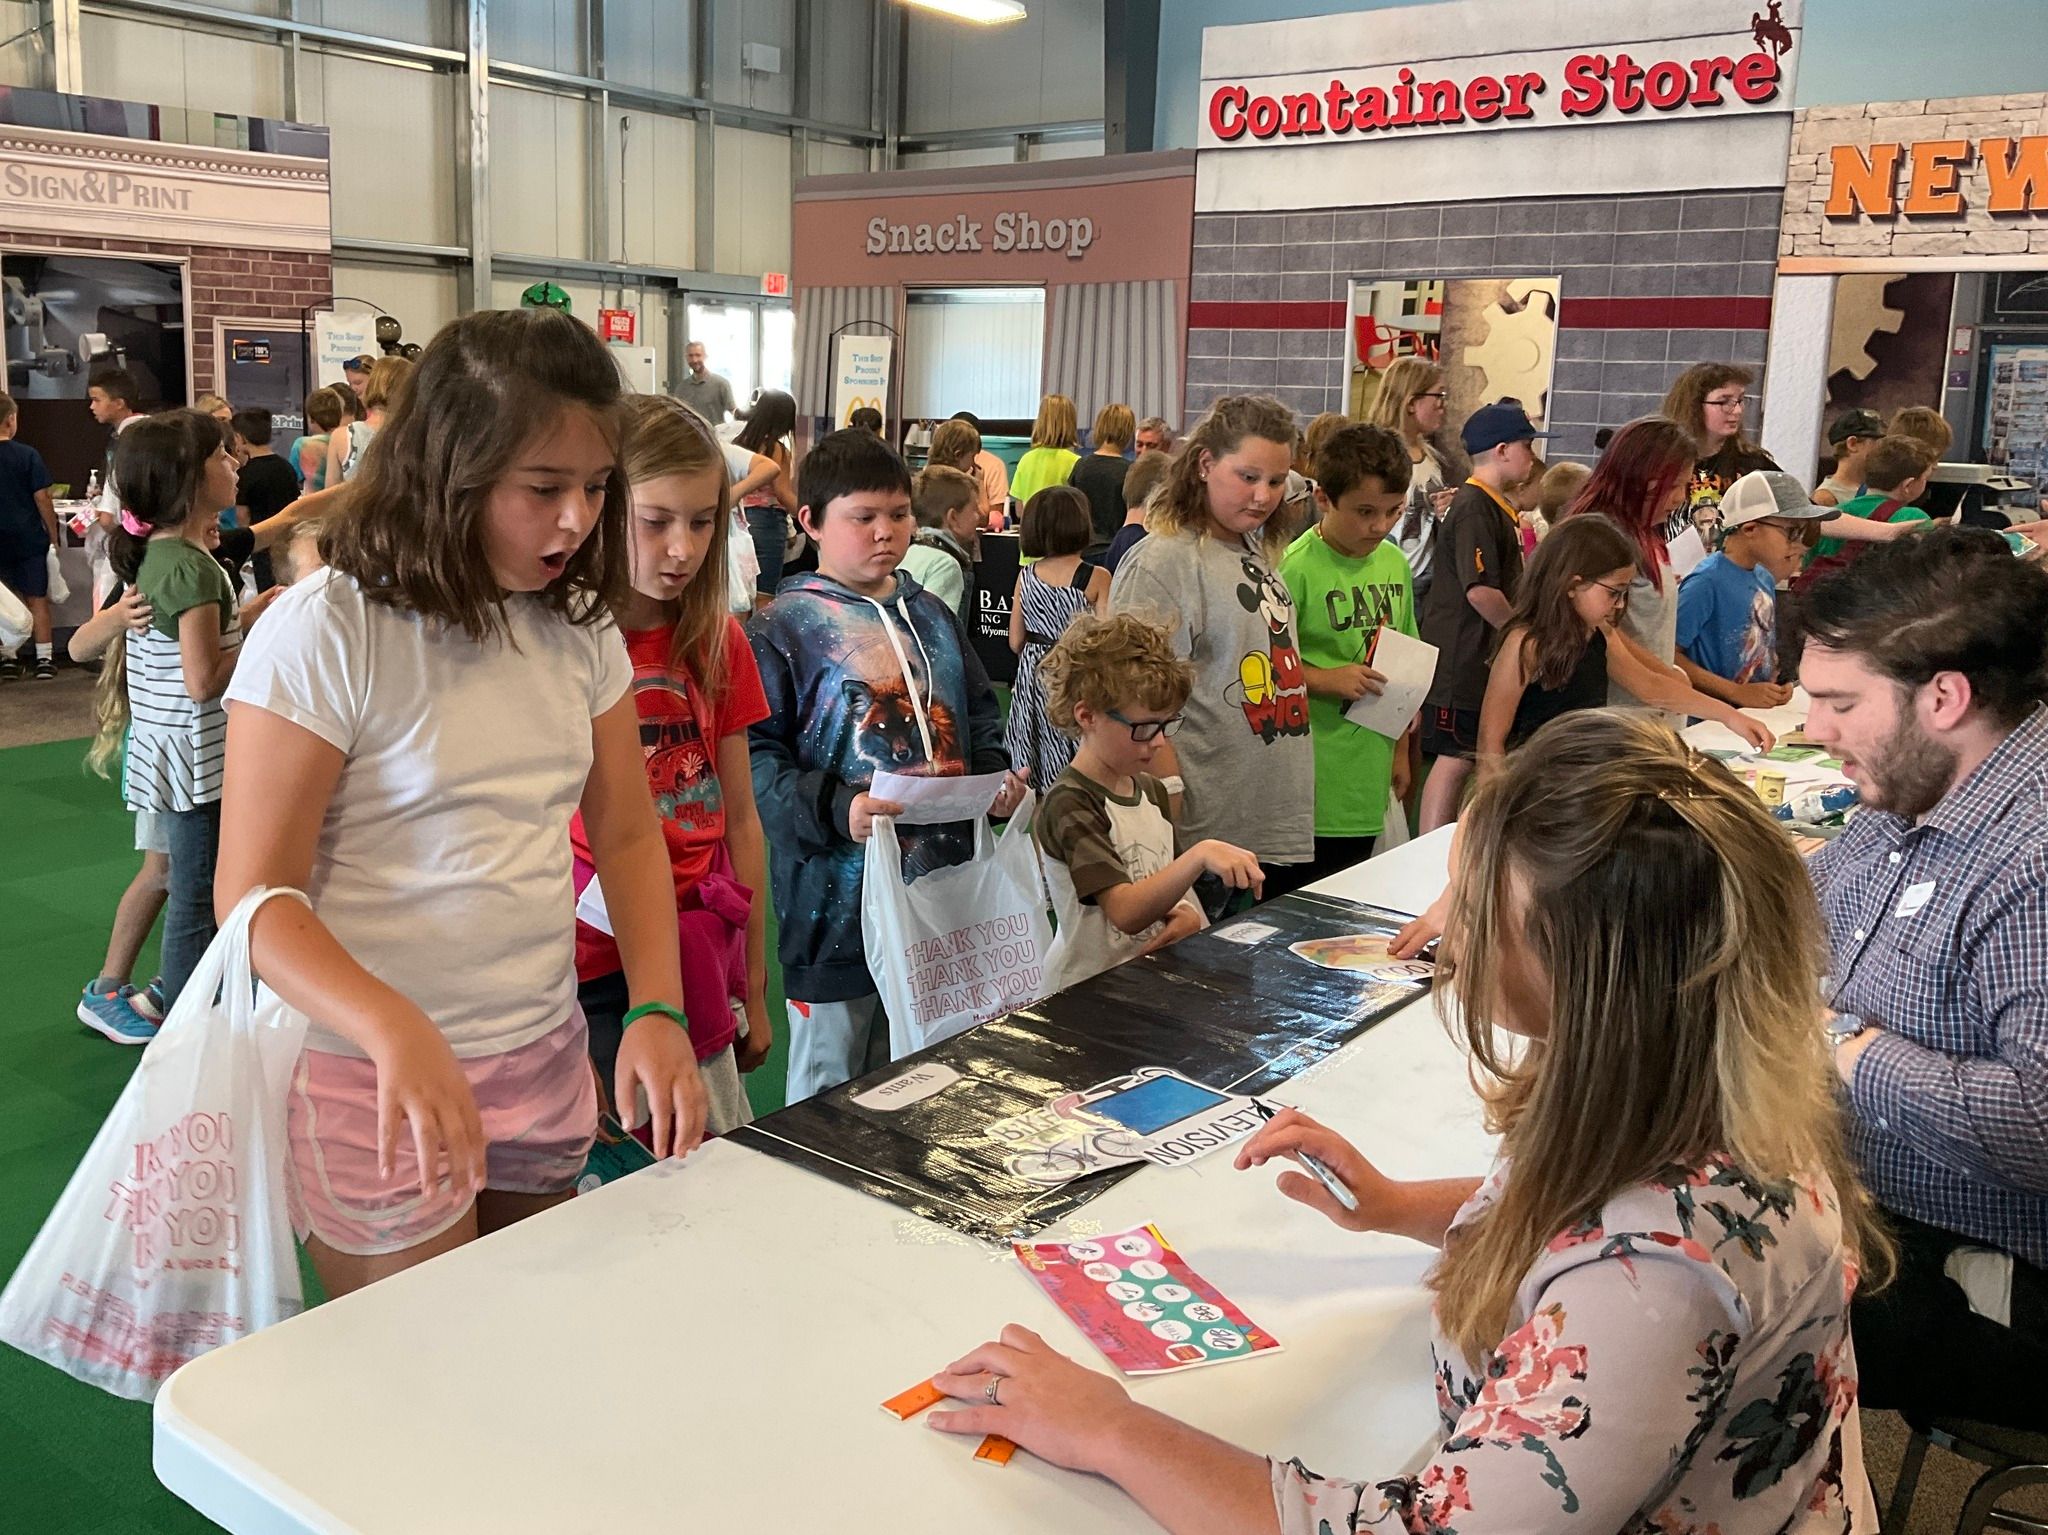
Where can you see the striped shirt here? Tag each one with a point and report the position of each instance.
(1940, 936)
(176, 746)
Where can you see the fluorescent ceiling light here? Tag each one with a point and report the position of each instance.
(988, 13)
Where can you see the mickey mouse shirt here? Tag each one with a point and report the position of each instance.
(1245, 753)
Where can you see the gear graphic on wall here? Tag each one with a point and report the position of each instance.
(1521, 337)
(1860, 314)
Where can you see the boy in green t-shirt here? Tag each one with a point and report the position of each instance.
(1347, 580)
(1896, 473)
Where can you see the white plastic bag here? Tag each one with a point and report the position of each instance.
(60, 589)
(172, 1237)
(15, 623)
(958, 946)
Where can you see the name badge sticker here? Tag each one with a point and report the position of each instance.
(1915, 897)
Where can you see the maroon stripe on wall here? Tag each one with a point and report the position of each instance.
(1703, 313)
(1716, 313)
(1273, 316)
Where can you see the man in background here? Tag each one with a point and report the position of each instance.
(706, 393)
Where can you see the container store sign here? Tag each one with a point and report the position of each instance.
(1568, 99)
(1729, 74)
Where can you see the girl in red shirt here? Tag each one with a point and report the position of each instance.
(696, 689)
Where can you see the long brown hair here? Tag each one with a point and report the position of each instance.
(1680, 939)
(1686, 400)
(160, 464)
(662, 437)
(1578, 550)
(411, 532)
(1181, 503)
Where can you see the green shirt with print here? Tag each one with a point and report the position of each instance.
(1340, 603)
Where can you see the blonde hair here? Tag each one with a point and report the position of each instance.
(955, 444)
(940, 491)
(1561, 483)
(1106, 663)
(1399, 385)
(1147, 473)
(662, 436)
(1115, 427)
(1680, 939)
(1924, 424)
(388, 376)
(1057, 425)
(1181, 503)
(207, 404)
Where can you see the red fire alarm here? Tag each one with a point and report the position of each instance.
(775, 284)
(616, 325)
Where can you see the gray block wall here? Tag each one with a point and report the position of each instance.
(1672, 248)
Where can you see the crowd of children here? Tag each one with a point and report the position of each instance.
(694, 760)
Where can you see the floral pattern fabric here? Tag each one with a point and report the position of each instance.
(1679, 1364)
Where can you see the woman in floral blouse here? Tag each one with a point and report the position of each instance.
(1642, 1312)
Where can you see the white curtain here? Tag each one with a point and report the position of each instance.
(1115, 343)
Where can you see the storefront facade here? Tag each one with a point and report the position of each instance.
(1067, 277)
(1349, 205)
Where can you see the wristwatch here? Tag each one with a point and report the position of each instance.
(1842, 1027)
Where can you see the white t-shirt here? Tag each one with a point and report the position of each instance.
(443, 864)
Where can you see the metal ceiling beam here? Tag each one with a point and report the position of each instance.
(445, 59)
(475, 179)
(66, 64)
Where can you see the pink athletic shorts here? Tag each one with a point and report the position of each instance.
(539, 1109)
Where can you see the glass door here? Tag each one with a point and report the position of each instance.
(751, 342)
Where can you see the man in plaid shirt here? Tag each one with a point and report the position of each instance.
(1927, 664)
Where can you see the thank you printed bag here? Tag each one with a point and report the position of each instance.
(172, 1237)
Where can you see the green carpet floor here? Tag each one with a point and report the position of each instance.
(74, 1461)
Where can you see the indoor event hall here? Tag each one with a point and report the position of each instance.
(837, 734)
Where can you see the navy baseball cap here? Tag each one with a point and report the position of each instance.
(1491, 425)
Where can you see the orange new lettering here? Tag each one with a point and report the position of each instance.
(2018, 177)
(1861, 183)
(1932, 186)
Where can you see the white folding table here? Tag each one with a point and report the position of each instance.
(678, 1348)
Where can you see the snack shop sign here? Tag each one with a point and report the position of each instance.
(1716, 76)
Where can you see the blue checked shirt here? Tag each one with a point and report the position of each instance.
(1940, 938)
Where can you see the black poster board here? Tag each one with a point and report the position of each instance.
(1239, 1017)
(264, 367)
(995, 580)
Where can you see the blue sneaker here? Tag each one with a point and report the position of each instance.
(110, 1013)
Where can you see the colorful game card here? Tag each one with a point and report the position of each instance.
(1139, 1303)
(1367, 953)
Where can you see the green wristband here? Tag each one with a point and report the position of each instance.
(647, 1008)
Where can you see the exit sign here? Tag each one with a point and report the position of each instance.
(775, 284)
(616, 325)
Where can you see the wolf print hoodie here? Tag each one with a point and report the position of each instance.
(839, 670)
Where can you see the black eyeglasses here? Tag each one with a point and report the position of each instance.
(1434, 394)
(1618, 593)
(1732, 402)
(1147, 730)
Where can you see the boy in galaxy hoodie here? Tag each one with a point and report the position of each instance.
(864, 671)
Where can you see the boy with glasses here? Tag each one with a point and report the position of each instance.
(1104, 825)
(1727, 607)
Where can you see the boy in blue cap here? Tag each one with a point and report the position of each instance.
(1478, 563)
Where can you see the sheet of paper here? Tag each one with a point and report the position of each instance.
(1137, 1301)
(590, 907)
(1409, 667)
(1686, 551)
(930, 801)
